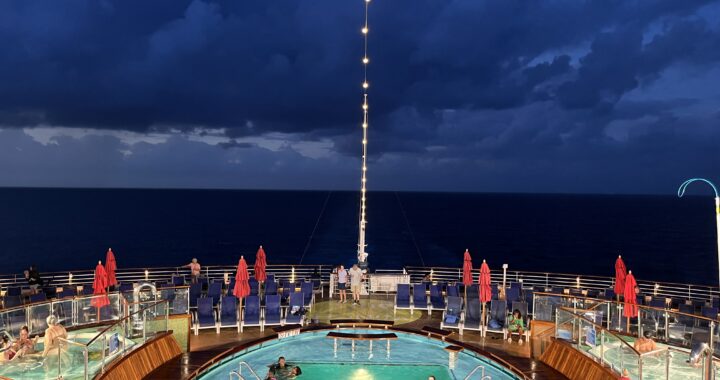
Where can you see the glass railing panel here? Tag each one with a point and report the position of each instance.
(13, 320)
(106, 347)
(37, 317)
(64, 311)
(155, 320)
(565, 325)
(89, 311)
(180, 302)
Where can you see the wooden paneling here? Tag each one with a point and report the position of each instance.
(143, 360)
(574, 364)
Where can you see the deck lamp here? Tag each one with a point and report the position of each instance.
(681, 192)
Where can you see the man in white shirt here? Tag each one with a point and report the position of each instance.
(355, 281)
(342, 276)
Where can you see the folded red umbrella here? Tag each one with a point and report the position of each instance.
(631, 308)
(467, 269)
(242, 287)
(484, 281)
(620, 273)
(260, 264)
(99, 285)
(110, 268)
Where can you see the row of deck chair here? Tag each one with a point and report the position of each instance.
(420, 299)
(469, 317)
(207, 316)
(215, 292)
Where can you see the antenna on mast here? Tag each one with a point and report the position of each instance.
(361, 254)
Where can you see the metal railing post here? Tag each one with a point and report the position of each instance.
(144, 327)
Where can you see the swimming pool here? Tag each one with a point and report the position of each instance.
(34, 366)
(410, 356)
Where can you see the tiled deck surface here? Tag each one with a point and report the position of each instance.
(208, 344)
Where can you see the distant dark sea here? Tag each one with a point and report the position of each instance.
(662, 238)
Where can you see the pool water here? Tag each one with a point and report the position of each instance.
(410, 357)
(371, 371)
(34, 366)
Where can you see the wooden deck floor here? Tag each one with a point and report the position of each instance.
(208, 345)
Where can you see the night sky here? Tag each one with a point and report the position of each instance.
(605, 96)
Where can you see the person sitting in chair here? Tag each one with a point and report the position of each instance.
(516, 325)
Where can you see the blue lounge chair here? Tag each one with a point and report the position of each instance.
(453, 313)
(228, 313)
(230, 286)
(402, 298)
(270, 278)
(473, 292)
(272, 316)
(178, 280)
(194, 294)
(270, 288)
(38, 297)
(294, 313)
(87, 290)
(214, 292)
(12, 301)
(308, 294)
(453, 290)
(512, 295)
(126, 287)
(498, 314)
(206, 315)
(13, 292)
(472, 316)
(251, 313)
(437, 301)
(494, 292)
(420, 299)
(254, 286)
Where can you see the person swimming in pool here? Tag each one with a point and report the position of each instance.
(646, 343)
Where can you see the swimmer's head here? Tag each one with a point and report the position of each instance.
(51, 320)
(647, 334)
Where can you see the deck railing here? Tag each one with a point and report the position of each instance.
(300, 272)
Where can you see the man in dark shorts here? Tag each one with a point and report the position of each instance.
(342, 275)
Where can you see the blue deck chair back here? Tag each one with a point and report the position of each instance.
(296, 303)
(498, 311)
(473, 312)
(403, 295)
(307, 291)
(657, 302)
(126, 287)
(453, 290)
(709, 312)
(419, 297)
(436, 297)
(272, 309)
(454, 306)
(39, 297)
(228, 310)
(473, 292)
(270, 288)
(14, 291)
(251, 313)
(270, 278)
(194, 293)
(12, 301)
(178, 280)
(205, 313)
(254, 286)
(214, 292)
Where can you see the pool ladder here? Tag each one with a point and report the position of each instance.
(236, 373)
(482, 373)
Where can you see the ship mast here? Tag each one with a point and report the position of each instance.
(361, 254)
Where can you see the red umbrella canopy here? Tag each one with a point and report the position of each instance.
(484, 281)
(620, 273)
(467, 269)
(99, 286)
(260, 264)
(110, 268)
(631, 309)
(242, 287)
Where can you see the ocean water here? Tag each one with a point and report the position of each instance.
(661, 238)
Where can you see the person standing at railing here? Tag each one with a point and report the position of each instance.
(342, 276)
(356, 276)
(194, 270)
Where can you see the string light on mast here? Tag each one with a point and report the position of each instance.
(362, 255)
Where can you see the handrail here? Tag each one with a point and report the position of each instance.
(640, 307)
(482, 374)
(73, 343)
(240, 364)
(127, 317)
(572, 312)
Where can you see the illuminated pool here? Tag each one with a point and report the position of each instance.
(72, 359)
(410, 356)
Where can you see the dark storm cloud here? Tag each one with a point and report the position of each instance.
(457, 86)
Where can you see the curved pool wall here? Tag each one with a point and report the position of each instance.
(314, 352)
